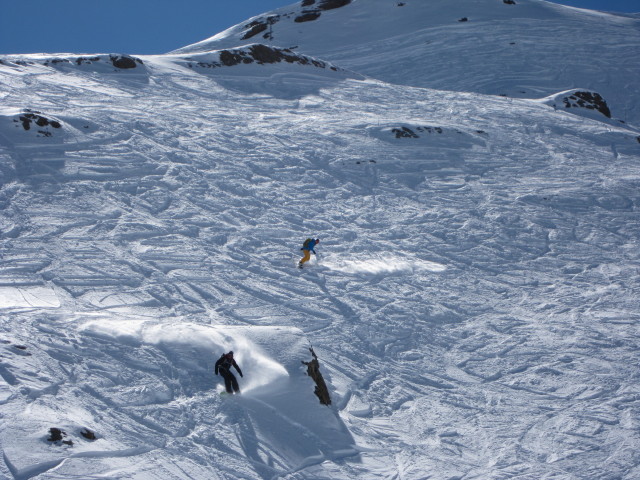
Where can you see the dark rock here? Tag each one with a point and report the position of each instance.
(55, 61)
(331, 4)
(255, 30)
(404, 132)
(86, 60)
(307, 16)
(264, 54)
(55, 434)
(259, 26)
(313, 370)
(35, 117)
(588, 100)
(509, 2)
(88, 434)
(464, 19)
(306, 3)
(230, 58)
(124, 61)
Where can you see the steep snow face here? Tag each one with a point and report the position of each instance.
(473, 302)
(526, 49)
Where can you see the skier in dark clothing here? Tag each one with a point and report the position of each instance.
(223, 367)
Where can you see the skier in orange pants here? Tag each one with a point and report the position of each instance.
(307, 249)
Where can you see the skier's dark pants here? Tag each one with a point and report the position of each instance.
(229, 381)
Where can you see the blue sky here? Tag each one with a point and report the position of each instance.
(146, 26)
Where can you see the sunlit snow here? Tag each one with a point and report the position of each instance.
(473, 303)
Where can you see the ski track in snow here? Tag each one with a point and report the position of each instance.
(473, 301)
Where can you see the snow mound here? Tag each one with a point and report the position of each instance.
(23, 126)
(162, 375)
(428, 135)
(206, 341)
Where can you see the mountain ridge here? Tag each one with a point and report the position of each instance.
(530, 49)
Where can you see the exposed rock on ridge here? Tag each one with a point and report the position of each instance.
(579, 99)
(260, 54)
(118, 61)
(264, 24)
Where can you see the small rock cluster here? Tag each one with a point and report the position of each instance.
(406, 132)
(30, 118)
(120, 61)
(588, 100)
(59, 437)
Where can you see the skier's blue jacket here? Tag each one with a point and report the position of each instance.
(310, 245)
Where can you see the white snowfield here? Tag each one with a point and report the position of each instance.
(474, 301)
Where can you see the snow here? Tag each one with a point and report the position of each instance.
(528, 50)
(473, 303)
(28, 296)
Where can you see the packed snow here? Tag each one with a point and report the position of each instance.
(473, 303)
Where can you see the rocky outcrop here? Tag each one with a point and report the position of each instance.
(124, 61)
(313, 370)
(307, 16)
(42, 124)
(314, 13)
(88, 434)
(325, 4)
(588, 100)
(28, 118)
(261, 55)
(57, 436)
(258, 26)
(406, 132)
(119, 61)
(579, 101)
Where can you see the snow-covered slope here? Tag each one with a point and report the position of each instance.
(521, 48)
(473, 303)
